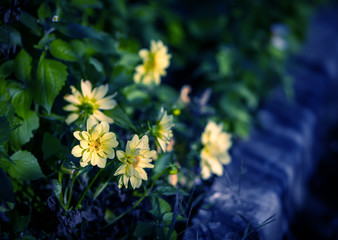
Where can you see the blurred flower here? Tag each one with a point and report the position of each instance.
(279, 36)
(55, 18)
(154, 64)
(184, 95)
(216, 144)
(96, 144)
(173, 179)
(162, 130)
(89, 102)
(136, 157)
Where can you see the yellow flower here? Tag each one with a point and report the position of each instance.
(89, 102)
(154, 64)
(162, 131)
(96, 144)
(136, 157)
(216, 144)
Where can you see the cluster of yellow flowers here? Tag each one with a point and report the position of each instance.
(97, 143)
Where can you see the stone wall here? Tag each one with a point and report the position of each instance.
(267, 178)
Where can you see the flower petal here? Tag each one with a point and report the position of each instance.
(86, 155)
(71, 118)
(142, 173)
(77, 135)
(77, 151)
(84, 144)
(86, 88)
(120, 170)
(70, 108)
(101, 163)
(120, 155)
(91, 122)
(109, 136)
(105, 127)
(125, 181)
(101, 117)
(100, 92)
(106, 103)
(72, 99)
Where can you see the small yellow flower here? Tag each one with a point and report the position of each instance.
(154, 64)
(136, 157)
(216, 144)
(96, 144)
(162, 131)
(89, 102)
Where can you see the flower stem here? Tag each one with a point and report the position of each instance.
(89, 186)
(145, 194)
(70, 191)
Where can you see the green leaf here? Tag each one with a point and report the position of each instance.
(57, 189)
(160, 206)
(52, 146)
(6, 69)
(10, 37)
(4, 159)
(44, 11)
(163, 161)
(62, 50)
(4, 130)
(167, 94)
(144, 229)
(23, 133)
(30, 22)
(97, 64)
(4, 95)
(84, 4)
(6, 190)
(51, 76)
(120, 118)
(23, 65)
(25, 166)
(21, 102)
(7, 110)
(74, 30)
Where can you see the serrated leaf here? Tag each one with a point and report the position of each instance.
(4, 130)
(24, 132)
(51, 76)
(21, 102)
(6, 190)
(44, 11)
(62, 50)
(23, 65)
(25, 166)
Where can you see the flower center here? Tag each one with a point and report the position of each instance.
(150, 64)
(88, 106)
(96, 144)
(133, 160)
